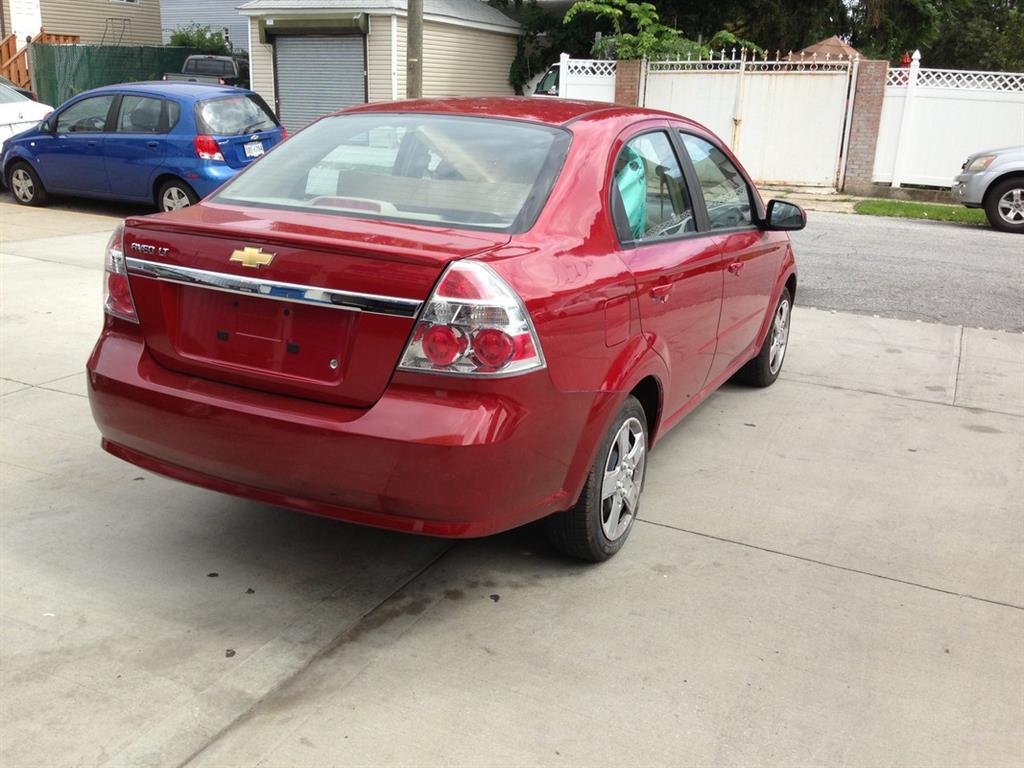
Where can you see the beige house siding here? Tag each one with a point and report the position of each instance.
(261, 66)
(462, 61)
(378, 58)
(124, 23)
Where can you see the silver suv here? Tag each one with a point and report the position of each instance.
(994, 180)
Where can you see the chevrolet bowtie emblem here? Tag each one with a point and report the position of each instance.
(254, 258)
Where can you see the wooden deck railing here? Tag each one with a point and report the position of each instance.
(14, 63)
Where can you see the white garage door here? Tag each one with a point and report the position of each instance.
(317, 75)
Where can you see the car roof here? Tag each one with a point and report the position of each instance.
(170, 89)
(538, 109)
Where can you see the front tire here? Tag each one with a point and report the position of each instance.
(25, 184)
(1004, 205)
(174, 195)
(764, 369)
(598, 526)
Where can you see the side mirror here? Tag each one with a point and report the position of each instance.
(783, 216)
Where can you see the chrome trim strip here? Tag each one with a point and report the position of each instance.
(270, 289)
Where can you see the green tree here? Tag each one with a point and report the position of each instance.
(979, 34)
(203, 39)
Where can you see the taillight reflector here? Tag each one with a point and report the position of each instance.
(473, 324)
(207, 148)
(117, 293)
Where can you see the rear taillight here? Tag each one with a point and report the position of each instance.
(284, 133)
(117, 294)
(207, 148)
(164, 77)
(473, 324)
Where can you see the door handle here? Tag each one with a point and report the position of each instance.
(152, 144)
(91, 143)
(661, 291)
(736, 267)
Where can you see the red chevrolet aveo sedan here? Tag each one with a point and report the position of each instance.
(446, 317)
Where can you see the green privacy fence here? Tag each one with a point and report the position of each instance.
(62, 71)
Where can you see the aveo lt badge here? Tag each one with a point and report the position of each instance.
(254, 258)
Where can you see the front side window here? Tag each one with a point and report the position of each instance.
(725, 191)
(234, 116)
(460, 171)
(86, 116)
(548, 84)
(139, 114)
(649, 192)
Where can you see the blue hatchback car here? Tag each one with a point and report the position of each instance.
(169, 144)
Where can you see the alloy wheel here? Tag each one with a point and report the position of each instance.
(1011, 206)
(22, 185)
(623, 478)
(780, 337)
(175, 199)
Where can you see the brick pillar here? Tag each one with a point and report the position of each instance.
(867, 115)
(627, 82)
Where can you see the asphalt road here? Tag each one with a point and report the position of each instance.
(914, 270)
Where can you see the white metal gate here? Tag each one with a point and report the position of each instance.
(785, 119)
(317, 75)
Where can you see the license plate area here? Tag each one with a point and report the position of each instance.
(253, 149)
(275, 339)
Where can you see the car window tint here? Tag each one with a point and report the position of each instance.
(725, 192)
(85, 116)
(139, 114)
(234, 116)
(649, 184)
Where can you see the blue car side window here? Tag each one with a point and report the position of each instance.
(86, 116)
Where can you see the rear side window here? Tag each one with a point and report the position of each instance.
(139, 114)
(86, 116)
(725, 192)
(649, 195)
(234, 115)
(462, 171)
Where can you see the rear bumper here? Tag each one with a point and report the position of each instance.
(456, 462)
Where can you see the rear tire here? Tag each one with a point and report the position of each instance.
(598, 526)
(25, 184)
(175, 194)
(764, 369)
(1004, 205)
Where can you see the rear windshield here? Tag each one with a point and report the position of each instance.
(9, 95)
(234, 115)
(459, 171)
(210, 67)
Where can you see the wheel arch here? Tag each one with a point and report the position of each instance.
(162, 179)
(1015, 174)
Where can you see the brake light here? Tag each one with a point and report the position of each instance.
(473, 324)
(207, 148)
(117, 293)
(164, 77)
(284, 133)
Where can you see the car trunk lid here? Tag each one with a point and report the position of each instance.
(310, 305)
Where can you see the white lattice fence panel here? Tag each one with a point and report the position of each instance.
(1006, 82)
(592, 67)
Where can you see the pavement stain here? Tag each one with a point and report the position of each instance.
(983, 428)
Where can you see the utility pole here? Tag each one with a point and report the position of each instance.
(414, 50)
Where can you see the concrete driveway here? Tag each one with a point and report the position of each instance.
(827, 572)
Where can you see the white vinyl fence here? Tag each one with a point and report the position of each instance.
(587, 79)
(784, 119)
(932, 119)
